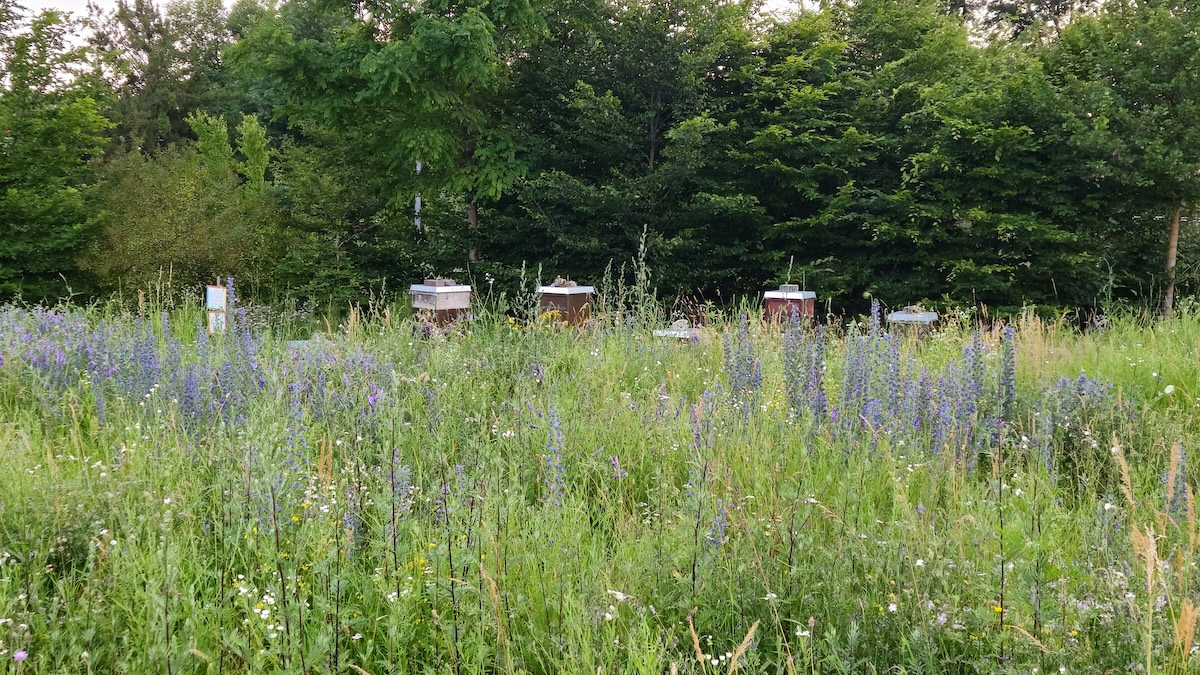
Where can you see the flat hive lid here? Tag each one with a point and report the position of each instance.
(681, 333)
(566, 290)
(790, 295)
(904, 316)
(423, 288)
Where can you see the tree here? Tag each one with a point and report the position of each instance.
(1135, 71)
(161, 67)
(628, 111)
(1015, 18)
(898, 160)
(831, 93)
(806, 151)
(992, 189)
(421, 81)
(339, 240)
(193, 211)
(50, 127)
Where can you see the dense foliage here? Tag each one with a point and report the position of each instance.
(1003, 153)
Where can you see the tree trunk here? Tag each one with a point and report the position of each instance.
(653, 131)
(473, 206)
(1168, 303)
(472, 224)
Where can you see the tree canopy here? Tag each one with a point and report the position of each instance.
(1004, 153)
(50, 125)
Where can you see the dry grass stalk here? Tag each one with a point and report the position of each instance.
(1029, 636)
(354, 321)
(741, 649)
(695, 638)
(1193, 531)
(1145, 548)
(325, 462)
(825, 511)
(494, 594)
(1185, 629)
(1174, 469)
(1144, 542)
(1172, 477)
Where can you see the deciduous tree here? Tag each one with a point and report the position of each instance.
(1135, 70)
(421, 81)
(49, 128)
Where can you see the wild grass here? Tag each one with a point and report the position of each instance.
(526, 498)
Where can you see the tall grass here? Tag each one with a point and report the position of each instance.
(521, 498)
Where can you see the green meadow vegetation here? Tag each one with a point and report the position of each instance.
(522, 497)
(370, 493)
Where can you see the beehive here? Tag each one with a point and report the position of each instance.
(567, 303)
(787, 301)
(914, 318)
(442, 300)
(680, 330)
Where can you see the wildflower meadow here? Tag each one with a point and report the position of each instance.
(510, 497)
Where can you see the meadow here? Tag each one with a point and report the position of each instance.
(522, 497)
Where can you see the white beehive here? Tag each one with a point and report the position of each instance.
(447, 299)
(913, 316)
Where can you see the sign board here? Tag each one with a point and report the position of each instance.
(216, 322)
(214, 297)
(214, 302)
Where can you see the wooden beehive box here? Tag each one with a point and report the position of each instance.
(781, 304)
(568, 303)
(681, 329)
(913, 318)
(444, 300)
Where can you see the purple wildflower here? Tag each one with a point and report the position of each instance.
(716, 531)
(804, 365)
(618, 472)
(1008, 372)
(538, 372)
(351, 517)
(374, 393)
(742, 367)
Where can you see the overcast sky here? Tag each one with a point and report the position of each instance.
(79, 7)
(76, 7)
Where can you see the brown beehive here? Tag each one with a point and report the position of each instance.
(787, 301)
(568, 303)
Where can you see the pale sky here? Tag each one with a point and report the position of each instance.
(79, 7)
(76, 7)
